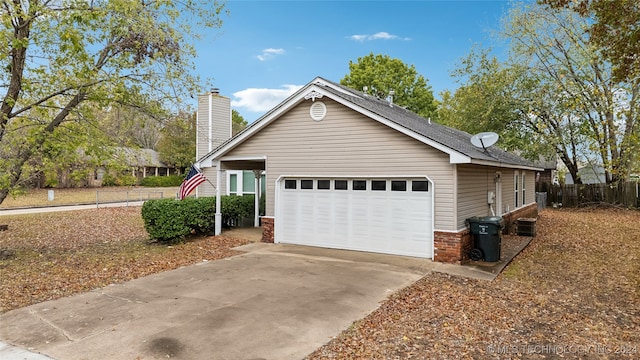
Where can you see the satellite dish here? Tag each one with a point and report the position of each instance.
(484, 139)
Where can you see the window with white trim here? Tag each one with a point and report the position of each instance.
(324, 184)
(516, 190)
(243, 182)
(306, 184)
(523, 187)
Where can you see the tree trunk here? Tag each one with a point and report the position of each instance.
(25, 154)
(571, 166)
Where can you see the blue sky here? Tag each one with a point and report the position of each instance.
(266, 50)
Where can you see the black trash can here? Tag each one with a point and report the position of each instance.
(487, 237)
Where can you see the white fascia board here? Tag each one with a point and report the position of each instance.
(505, 165)
(204, 163)
(241, 158)
(458, 158)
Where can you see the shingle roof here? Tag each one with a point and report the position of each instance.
(139, 157)
(454, 139)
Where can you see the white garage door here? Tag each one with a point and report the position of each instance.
(392, 216)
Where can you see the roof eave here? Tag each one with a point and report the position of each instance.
(505, 165)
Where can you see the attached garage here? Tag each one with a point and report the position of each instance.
(391, 215)
(346, 170)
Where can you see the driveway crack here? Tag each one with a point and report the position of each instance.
(52, 325)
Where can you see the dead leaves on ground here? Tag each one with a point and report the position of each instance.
(64, 253)
(574, 292)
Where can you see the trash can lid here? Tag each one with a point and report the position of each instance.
(472, 220)
(496, 220)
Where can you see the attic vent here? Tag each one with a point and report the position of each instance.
(318, 110)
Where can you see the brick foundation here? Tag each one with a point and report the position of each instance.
(510, 219)
(452, 247)
(267, 229)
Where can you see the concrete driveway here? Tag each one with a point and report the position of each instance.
(273, 302)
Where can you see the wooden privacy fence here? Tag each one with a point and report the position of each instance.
(570, 195)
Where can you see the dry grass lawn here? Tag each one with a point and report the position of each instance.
(52, 255)
(574, 292)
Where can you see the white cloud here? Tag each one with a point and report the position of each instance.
(262, 100)
(383, 35)
(269, 53)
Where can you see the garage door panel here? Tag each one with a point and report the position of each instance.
(394, 222)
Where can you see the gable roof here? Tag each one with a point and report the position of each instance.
(455, 143)
(139, 157)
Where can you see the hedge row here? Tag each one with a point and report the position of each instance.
(162, 181)
(170, 220)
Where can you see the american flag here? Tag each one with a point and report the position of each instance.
(193, 179)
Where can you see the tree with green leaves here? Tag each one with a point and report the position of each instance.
(238, 123)
(576, 91)
(63, 60)
(557, 93)
(490, 99)
(177, 144)
(130, 126)
(381, 74)
(615, 29)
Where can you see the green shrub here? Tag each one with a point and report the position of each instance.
(235, 208)
(119, 180)
(126, 180)
(108, 180)
(162, 181)
(170, 220)
(163, 220)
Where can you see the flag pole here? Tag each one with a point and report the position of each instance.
(210, 183)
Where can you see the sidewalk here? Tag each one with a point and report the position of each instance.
(36, 210)
(10, 352)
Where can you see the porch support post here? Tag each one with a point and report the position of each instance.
(218, 217)
(256, 212)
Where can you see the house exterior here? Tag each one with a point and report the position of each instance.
(589, 174)
(549, 175)
(347, 170)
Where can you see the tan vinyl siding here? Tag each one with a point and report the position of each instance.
(202, 126)
(206, 188)
(508, 197)
(507, 190)
(530, 194)
(208, 138)
(474, 184)
(347, 143)
(221, 120)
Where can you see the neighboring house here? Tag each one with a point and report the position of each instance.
(589, 174)
(346, 170)
(144, 162)
(140, 163)
(548, 176)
